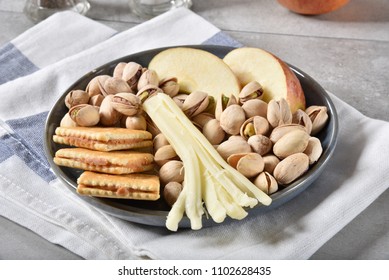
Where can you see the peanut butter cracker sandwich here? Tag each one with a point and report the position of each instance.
(103, 138)
(115, 162)
(132, 186)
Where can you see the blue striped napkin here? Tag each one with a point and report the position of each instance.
(40, 64)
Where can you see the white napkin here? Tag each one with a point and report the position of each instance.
(32, 196)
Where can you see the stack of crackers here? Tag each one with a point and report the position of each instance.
(113, 163)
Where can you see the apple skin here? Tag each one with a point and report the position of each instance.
(313, 7)
(277, 79)
(196, 69)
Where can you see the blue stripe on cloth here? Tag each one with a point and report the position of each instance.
(223, 39)
(5, 151)
(14, 64)
(27, 143)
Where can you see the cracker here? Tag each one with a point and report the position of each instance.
(132, 186)
(103, 138)
(115, 162)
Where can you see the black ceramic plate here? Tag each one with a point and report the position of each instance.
(154, 213)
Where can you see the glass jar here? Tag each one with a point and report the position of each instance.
(37, 10)
(151, 8)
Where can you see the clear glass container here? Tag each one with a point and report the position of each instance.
(151, 8)
(38, 10)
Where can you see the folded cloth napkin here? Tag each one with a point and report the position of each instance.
(36, 74)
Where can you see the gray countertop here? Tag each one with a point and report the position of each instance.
(346, 51)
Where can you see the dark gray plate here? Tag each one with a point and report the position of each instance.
(154, 213)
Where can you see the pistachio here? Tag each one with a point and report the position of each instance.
(108, 115)
(255, 107)
(213, 132)
(248, 164)
(147, 91)
(318, 116)
(260, 144)
(291, 168)
(232, 118)
(281, 130)
(233, 146)
(253, 126)
(96, 100)
(172, 171)
(278, 112)
(252, 90)
(76, 97)
(195, 103)
(131, 74)
(171, 192)
(180, 99)
(94, 85)
(67, 121)
(302, 118)
(165, 154)
(151, 127)
(136, 122)
(118, 70)
(222, 103)
(271, 162)
(85, 115)
(313, 150)
(201, 119)
(169, 86)
(114, 85)
(159, 141)
(292, 142)
(126, 103)
(149, 77)
(266, 183)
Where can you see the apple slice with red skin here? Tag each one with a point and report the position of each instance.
(277, 79)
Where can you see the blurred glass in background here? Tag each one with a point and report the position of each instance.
(151, 8)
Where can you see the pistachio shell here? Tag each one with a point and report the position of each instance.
(255, 107)
(137, 122)
(149, 77)
(179, 99)
(271, 162)
(159, 141)
(229, 147)
(170, 86)
(252, 90)
(96, 100)
(114, 85)
(201, 119)
(278, 112)
(118, 70)
(165, 154)
(281, 130)
(94, 85)
(126, 103)
(108, 115)
(293, 142)
(171, 192)
(253, 126)
(85, 115)
(302, 118)
(250, 165)
(291, 168)
(131, 74)
(232, 118)
(314, 150)
(76, 97)
(67, 121)
(266, 183)
(147, 91)
(318, 116)
(151, 127)
(172, 171)
(195, 103)
(260, 144)
(213, 132)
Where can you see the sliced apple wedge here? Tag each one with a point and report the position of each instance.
(277, 79)
(196, 70)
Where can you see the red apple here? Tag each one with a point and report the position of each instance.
(312, 7)
(277, 79)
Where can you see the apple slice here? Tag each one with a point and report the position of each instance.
(277, 79)
(196, 70)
